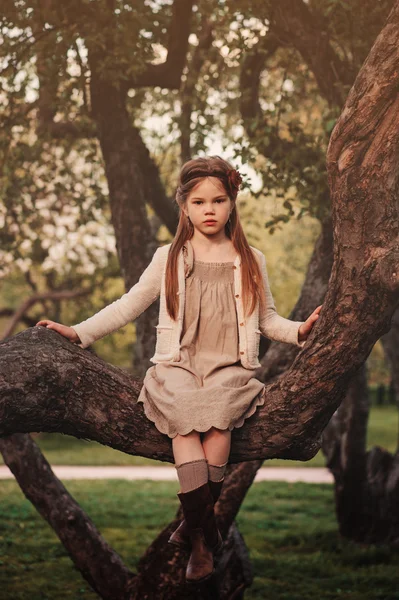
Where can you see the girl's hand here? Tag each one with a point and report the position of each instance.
(306, 327)
(64, 330)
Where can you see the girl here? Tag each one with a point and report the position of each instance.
(215, 301)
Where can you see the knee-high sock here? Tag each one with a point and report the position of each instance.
(216, 472)
(192, 474)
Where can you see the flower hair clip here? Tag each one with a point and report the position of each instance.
(234, 179)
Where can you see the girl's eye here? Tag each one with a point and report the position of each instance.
(200, 201)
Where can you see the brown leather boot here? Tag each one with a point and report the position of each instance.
(204, 534)
(181, 536)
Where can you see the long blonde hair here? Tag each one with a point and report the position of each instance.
(192, 172)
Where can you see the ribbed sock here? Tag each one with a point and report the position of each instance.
(192, 474)
(216, 472)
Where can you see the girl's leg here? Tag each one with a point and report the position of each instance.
(216, 445)
(190, 461)
(198, 528)
(187, 447)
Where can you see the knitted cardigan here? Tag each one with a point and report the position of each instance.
(151, 285)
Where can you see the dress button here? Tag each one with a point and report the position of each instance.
(242, 352)
(241, 323)
(237, 295)
(234, 267)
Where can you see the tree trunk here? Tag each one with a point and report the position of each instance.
(362, 163)
(365, 482)
(134, 242)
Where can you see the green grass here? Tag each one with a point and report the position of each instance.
(290, 529)
(60, 449)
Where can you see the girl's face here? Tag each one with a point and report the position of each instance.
(208, 201)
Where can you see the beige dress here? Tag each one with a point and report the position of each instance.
(208, 386)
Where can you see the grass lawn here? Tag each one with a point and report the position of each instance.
(62, 449)
(290, 529)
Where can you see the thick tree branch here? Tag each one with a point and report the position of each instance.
(363, 171)
(83, 396)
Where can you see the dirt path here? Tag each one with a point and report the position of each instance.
(306, 474)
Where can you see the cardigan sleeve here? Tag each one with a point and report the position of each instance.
(271, 324)
(127, 308)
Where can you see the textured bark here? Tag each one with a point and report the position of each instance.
(363, 163)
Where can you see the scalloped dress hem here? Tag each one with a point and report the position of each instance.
(162, 424)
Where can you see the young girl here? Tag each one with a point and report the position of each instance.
(215, 301)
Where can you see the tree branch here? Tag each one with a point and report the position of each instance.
(19, 313)
(307, 31)
(168, 74)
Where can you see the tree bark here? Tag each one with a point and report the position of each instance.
(362, 163)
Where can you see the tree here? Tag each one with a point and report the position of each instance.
(303, 399)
